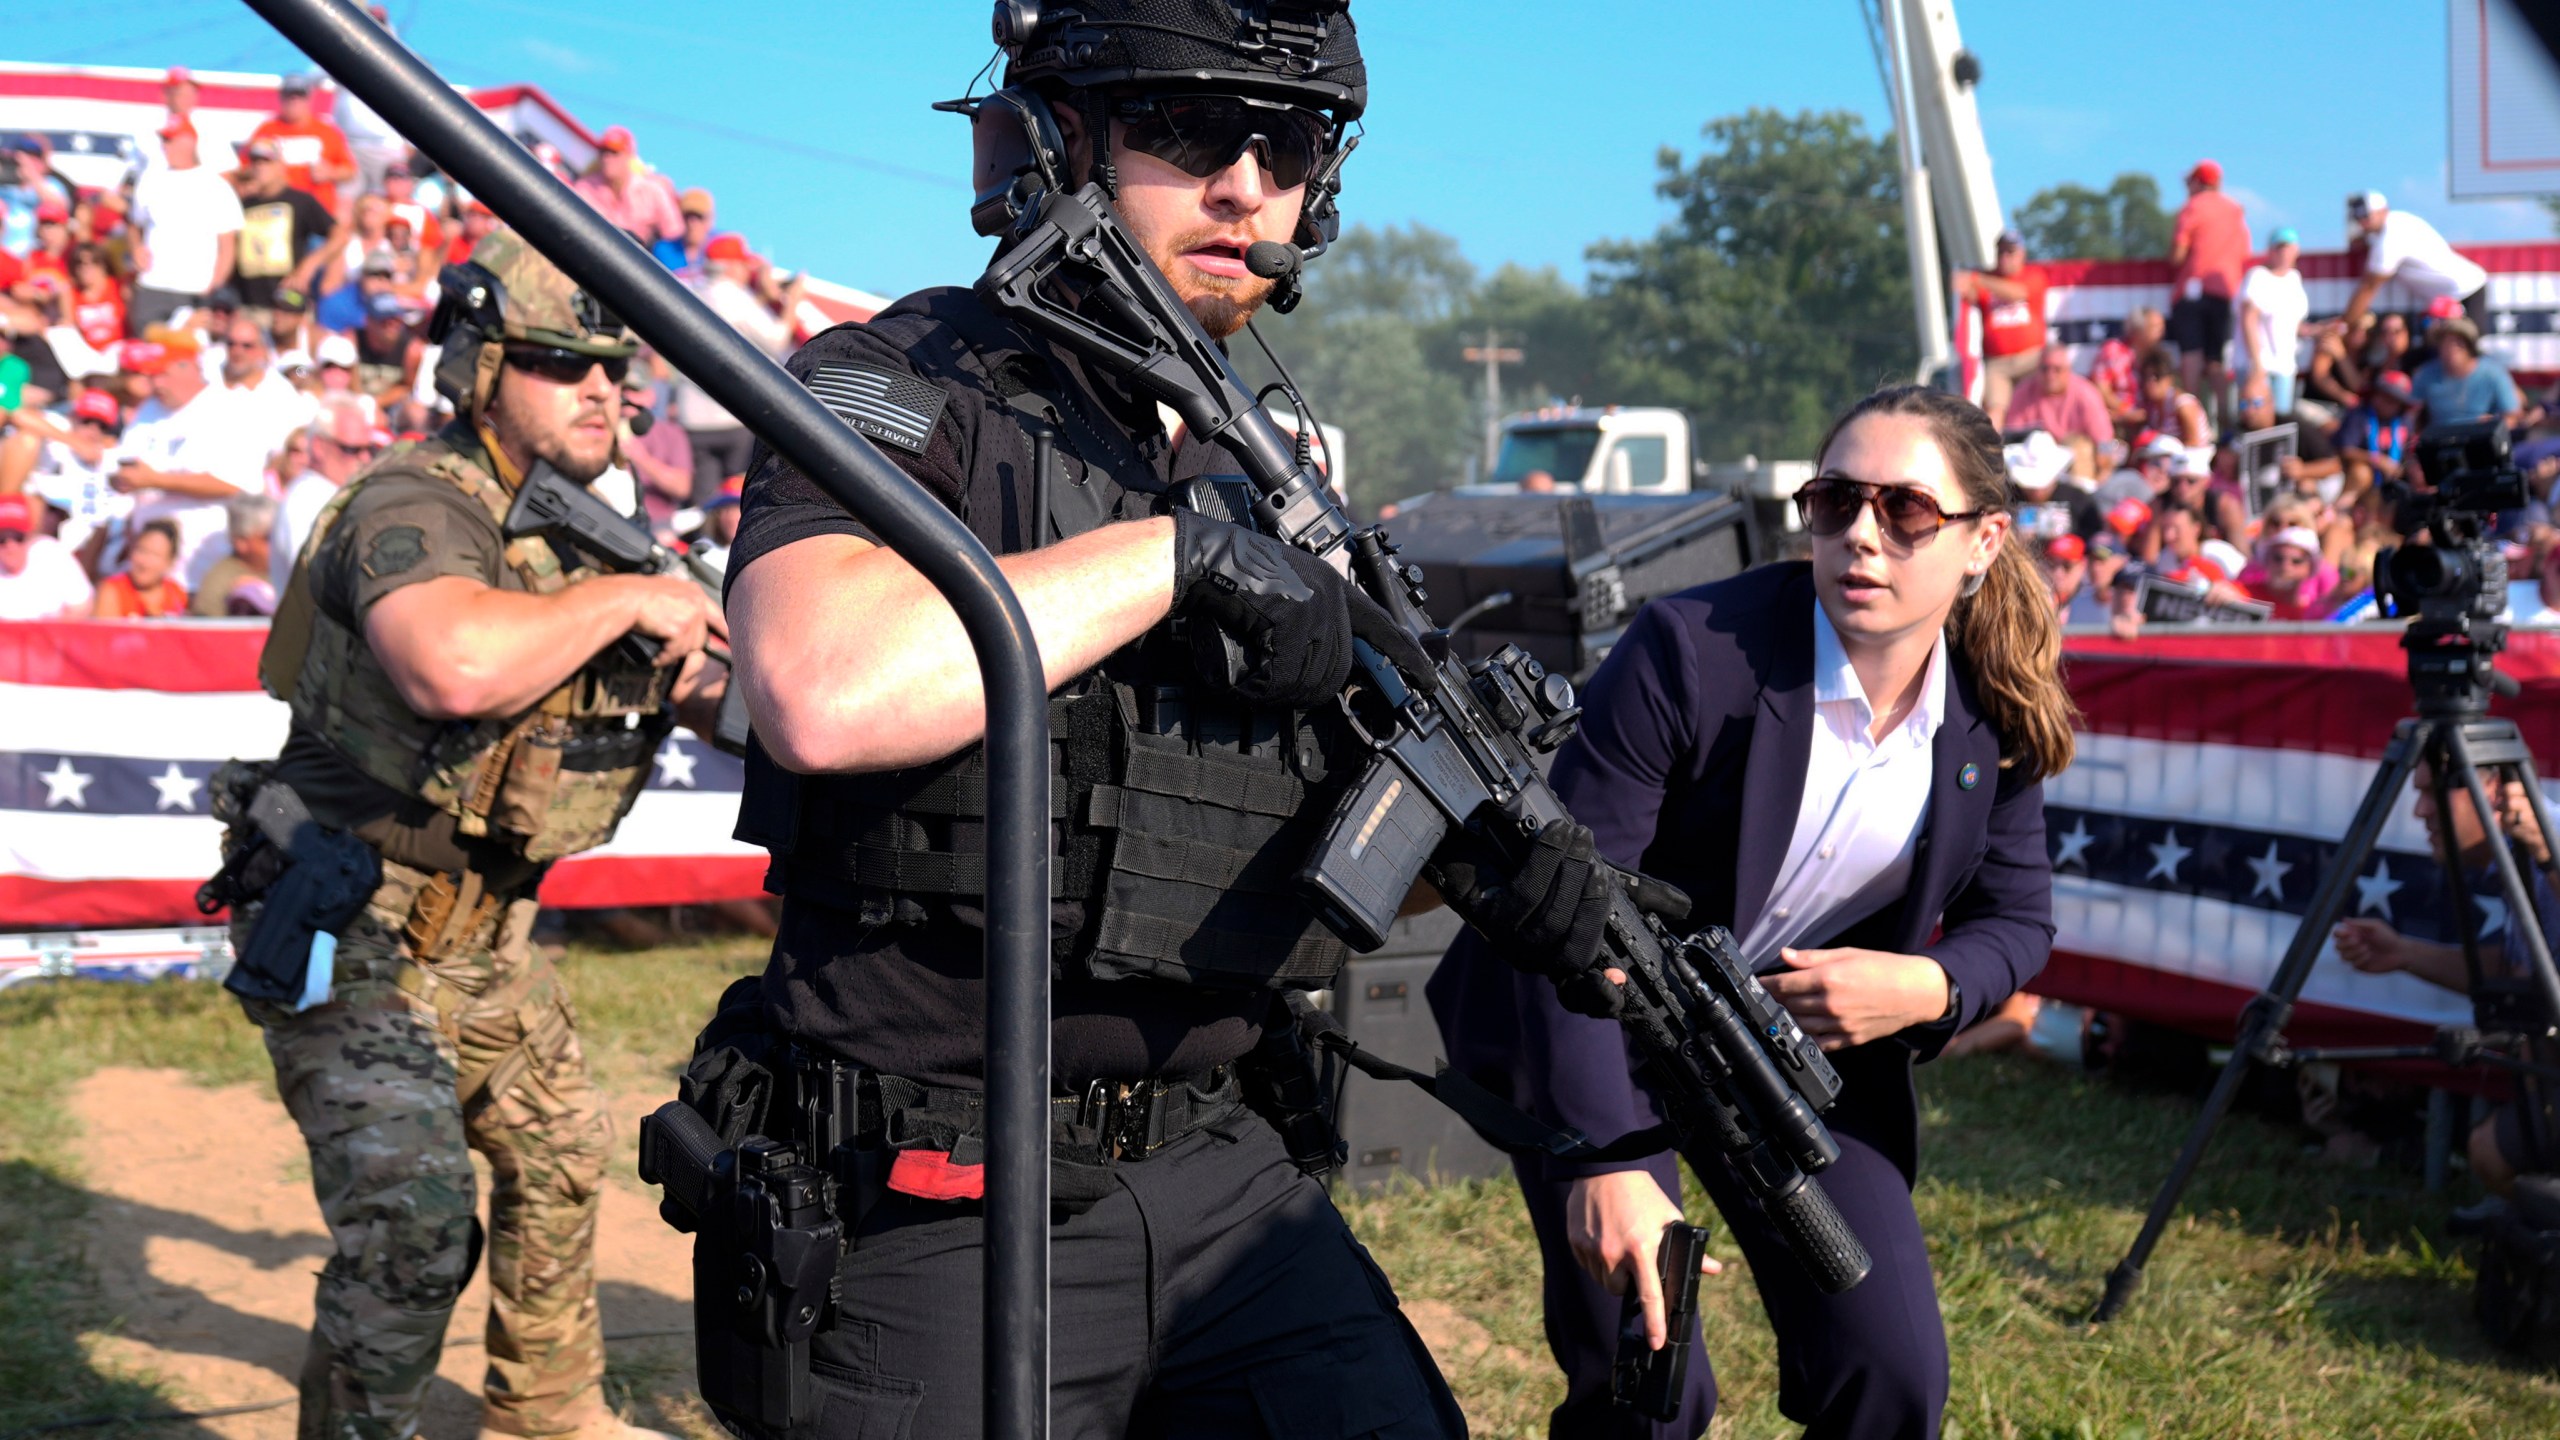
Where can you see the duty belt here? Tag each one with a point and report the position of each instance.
(937, 1135)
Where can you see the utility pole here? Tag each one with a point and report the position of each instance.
(1494, 355)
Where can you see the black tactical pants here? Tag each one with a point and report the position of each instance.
(1216, 1292)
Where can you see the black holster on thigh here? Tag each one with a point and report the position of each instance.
(768, 1241)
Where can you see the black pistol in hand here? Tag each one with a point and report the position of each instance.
(1646, 1380)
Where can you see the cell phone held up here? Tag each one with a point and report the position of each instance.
(1646, 1380)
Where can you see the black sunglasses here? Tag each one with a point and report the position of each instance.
(565, 367)
(1830, 505)
(1201, 135)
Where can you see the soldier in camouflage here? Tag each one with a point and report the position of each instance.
(463, 704)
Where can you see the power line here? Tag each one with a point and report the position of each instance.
(776, 143)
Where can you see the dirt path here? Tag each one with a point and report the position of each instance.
(205, 1239)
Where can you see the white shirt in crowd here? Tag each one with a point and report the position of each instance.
(275, 409)
(183, 215)
(2282, 307)
(2414, 253)
(51, 583)
(746, 314)
(1864, 802)
(212, 435)
(296, 512)
(80, 489)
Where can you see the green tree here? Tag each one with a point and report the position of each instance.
(1778, 292)
(2122, 222)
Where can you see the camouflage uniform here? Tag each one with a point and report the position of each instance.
(444, 1030)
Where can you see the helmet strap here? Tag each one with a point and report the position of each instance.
(1097, 127)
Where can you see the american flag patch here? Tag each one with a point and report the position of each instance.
(883, 404)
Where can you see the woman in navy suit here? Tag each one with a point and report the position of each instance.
(1841, 763)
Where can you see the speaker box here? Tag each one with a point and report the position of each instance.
(1576, 567)
(1388, 1127)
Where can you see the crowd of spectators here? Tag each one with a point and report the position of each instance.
(2167, 458)
(194, 360)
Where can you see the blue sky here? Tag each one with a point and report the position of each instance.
(1528, 131)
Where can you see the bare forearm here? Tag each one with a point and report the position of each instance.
(853, 662)
(2362, 300)
(2436, 964)
(457, 649)
(195, 484)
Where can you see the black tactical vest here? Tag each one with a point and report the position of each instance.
(1178, 819)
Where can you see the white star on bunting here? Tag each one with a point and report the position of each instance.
(2493, 914)
(177, 792)
(65, 786)
(2075, 845)
(2167, 856)
(2373, 892)
(2271, 872)
(675, 764)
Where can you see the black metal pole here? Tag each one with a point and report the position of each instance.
(436, 119)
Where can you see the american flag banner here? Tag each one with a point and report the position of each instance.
(110, 731)
(2217, 773)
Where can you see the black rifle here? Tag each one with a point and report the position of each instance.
(1453, 750)
(557, 508)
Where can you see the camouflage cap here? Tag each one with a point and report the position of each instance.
(542, 306)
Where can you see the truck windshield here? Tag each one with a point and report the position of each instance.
(1563, 453)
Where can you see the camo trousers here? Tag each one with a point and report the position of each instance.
(445, 1030)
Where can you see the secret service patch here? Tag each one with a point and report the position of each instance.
(396, 551)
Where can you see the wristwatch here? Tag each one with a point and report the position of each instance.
(1955, 1001)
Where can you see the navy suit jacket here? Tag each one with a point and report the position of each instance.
(1690, 766)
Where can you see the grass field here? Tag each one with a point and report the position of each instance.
(2295, 1300)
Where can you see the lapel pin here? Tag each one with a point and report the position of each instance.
(1969, 776)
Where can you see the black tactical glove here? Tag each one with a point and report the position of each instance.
(1545, 913)
(1293, 618)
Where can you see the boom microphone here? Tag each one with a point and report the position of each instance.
(1273, 259)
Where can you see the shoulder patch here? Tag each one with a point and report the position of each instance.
(885, 404)
(395, 551)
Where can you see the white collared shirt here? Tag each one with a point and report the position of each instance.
(1864, 803)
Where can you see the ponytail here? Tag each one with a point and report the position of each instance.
(2006, 636)
(2003, 631)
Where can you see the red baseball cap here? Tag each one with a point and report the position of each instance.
(2208, 171)
(2443, 307)
(178, 75)
(2128, 516)
(2395, 383)
(732, 246)
(50, 211)
(2069, 549)
(96, 404)
(616, 139)
(14, 514)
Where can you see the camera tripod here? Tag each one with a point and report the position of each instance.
(2455, 740)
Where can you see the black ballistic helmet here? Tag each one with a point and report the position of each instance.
(1306, 52)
